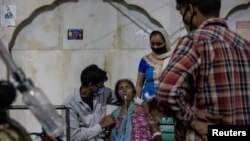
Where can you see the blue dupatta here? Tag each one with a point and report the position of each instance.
(126, 126)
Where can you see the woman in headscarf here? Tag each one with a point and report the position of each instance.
(152, 64)
(150, 68)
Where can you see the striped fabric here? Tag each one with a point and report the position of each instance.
(211, 68)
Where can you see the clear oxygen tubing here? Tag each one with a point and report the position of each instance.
(34, 98)
(125, 97)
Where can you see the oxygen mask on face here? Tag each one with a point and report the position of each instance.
(99, 91)
(125, 98)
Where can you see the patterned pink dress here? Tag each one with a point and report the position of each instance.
(140, 128)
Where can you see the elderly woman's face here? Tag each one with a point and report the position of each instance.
(125, 88)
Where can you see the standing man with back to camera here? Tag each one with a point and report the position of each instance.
(88, 106)
(207, 80)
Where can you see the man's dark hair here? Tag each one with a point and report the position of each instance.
(119, 100)
(206, 7)
(92, 75)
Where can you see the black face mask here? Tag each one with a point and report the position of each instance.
(188, 26)
(159, 50)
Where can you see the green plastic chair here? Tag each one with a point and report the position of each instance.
(166, 126)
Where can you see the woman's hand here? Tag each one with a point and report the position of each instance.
(138, 101)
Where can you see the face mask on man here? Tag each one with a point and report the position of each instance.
(99, 91)
(159, 50)
(187, 26)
